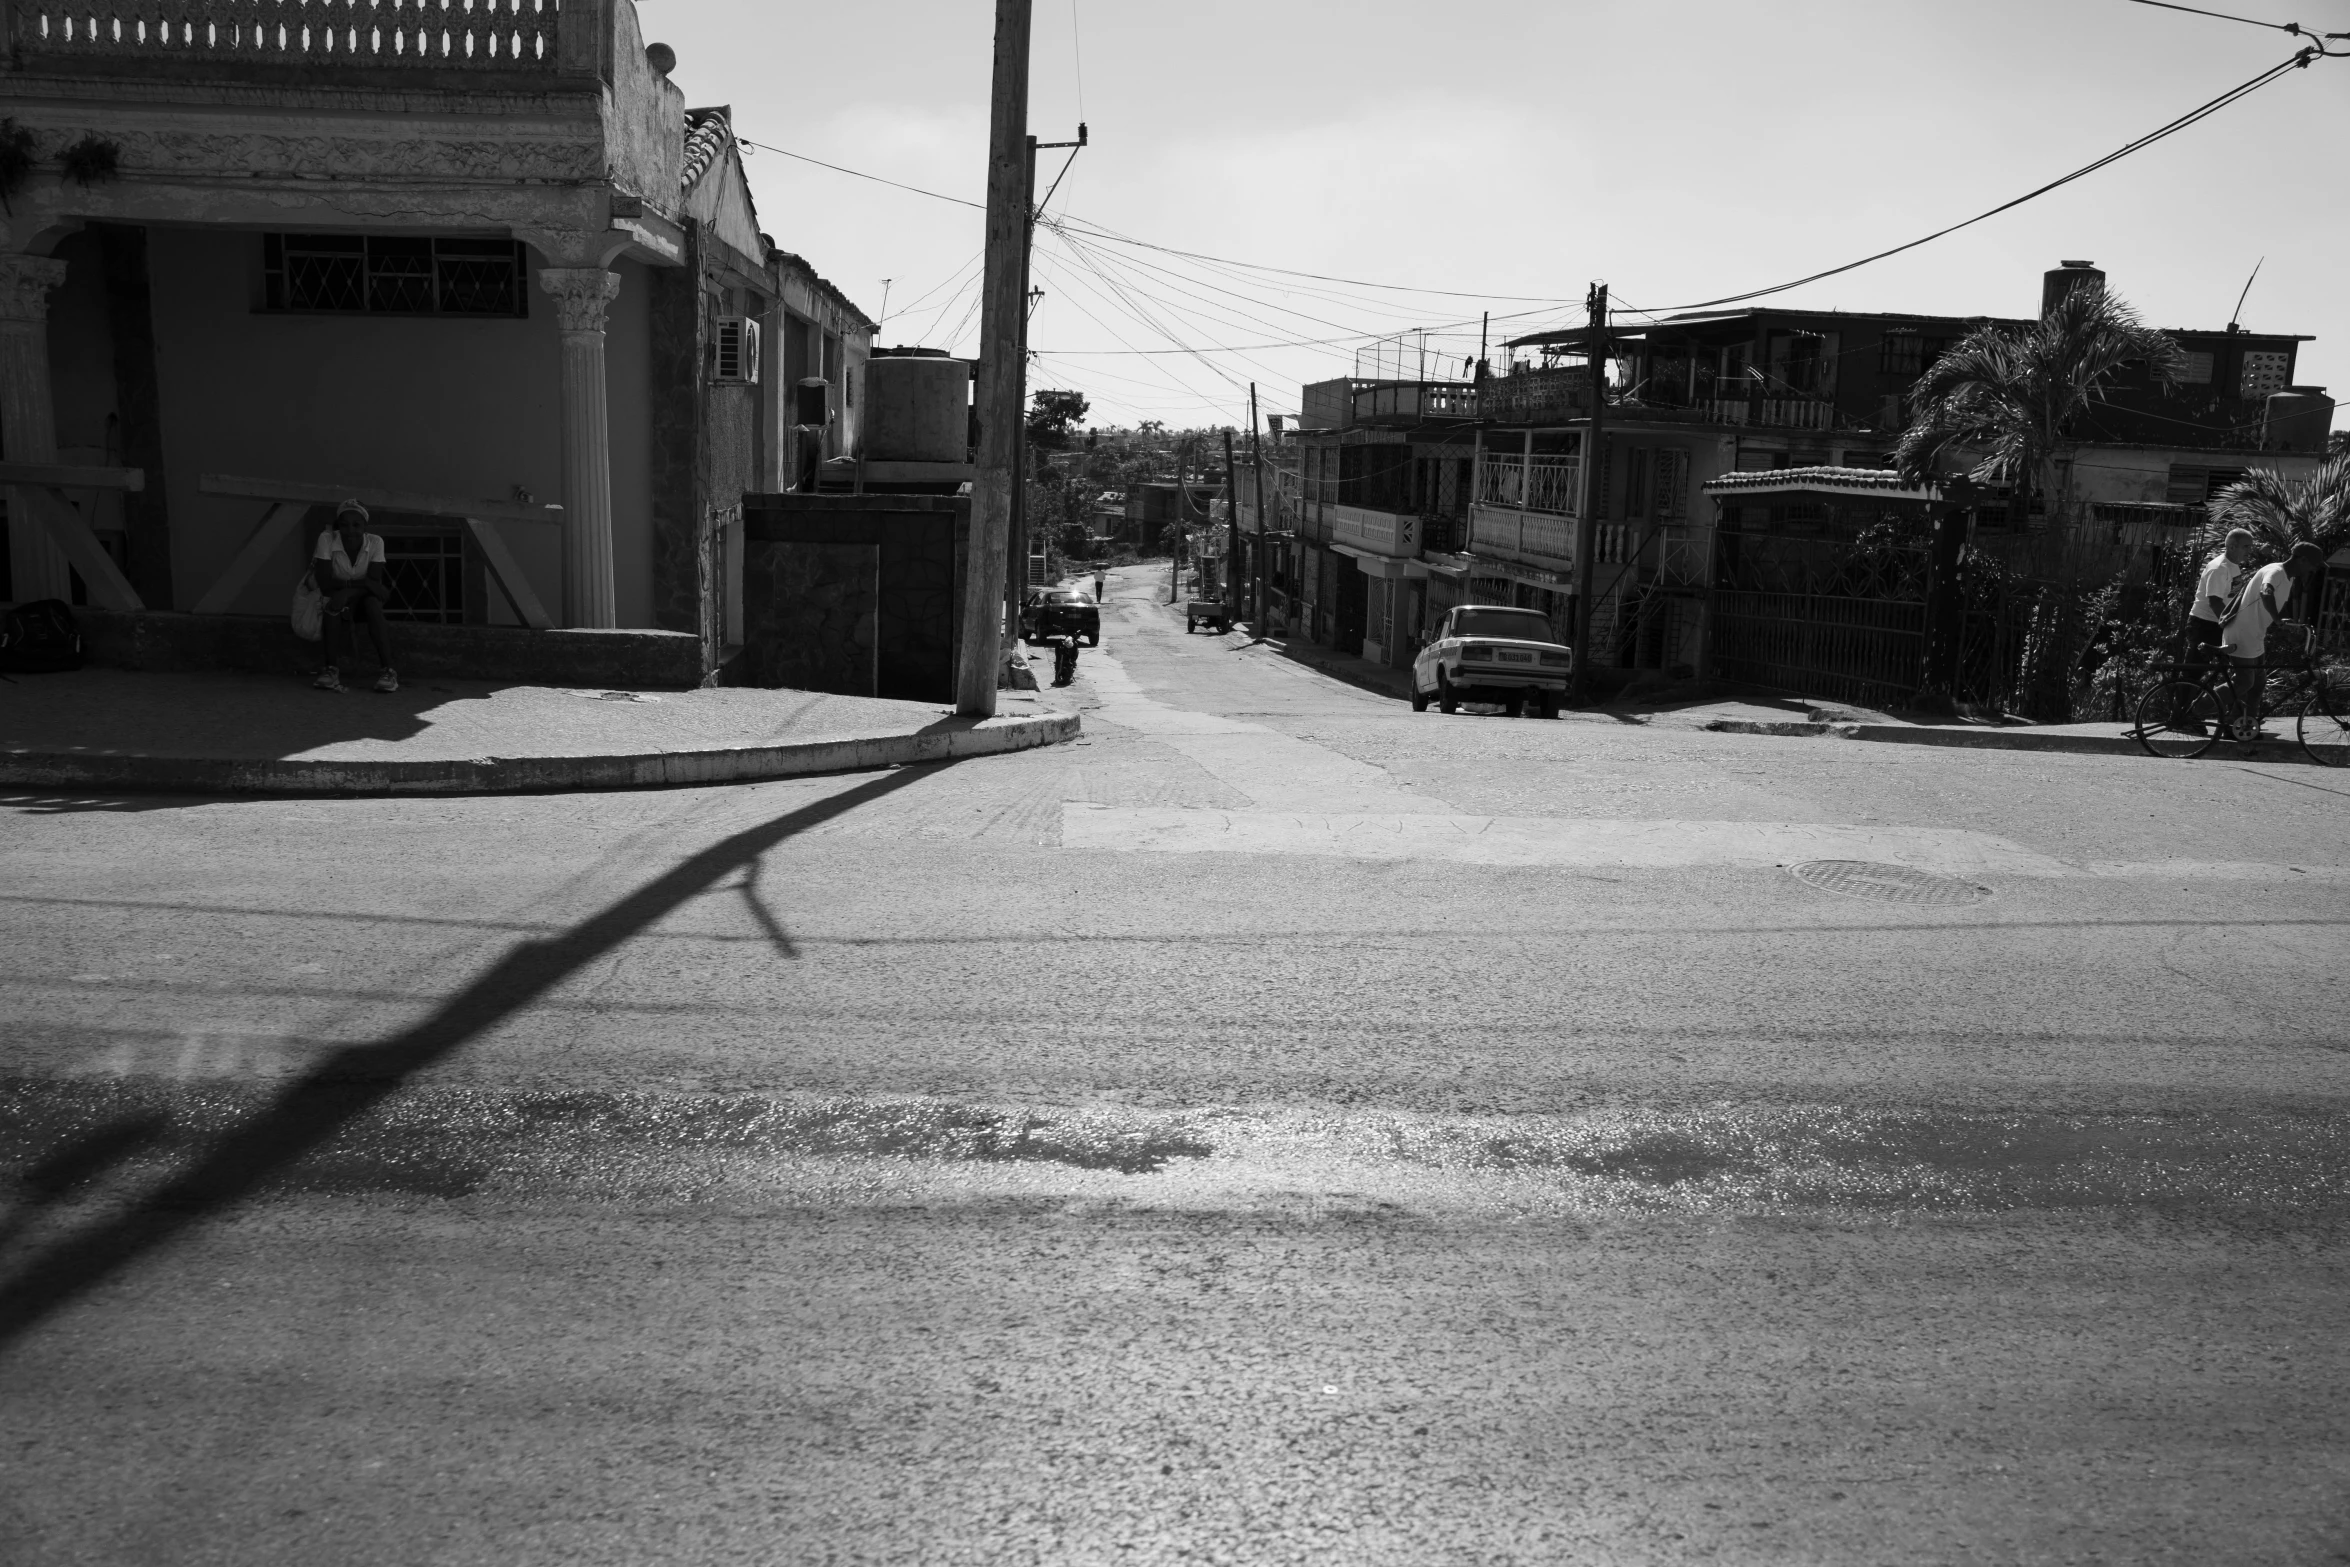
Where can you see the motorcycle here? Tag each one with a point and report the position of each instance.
(1064, 658)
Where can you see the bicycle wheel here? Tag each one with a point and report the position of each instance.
(2324, 727)
(2180, 718)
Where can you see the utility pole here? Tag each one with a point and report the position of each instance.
(1594, 484)
(1016, 563)
(1231, 529)
(1264, 524)
(1182, 529)
(1001, 308)
(1016, 553)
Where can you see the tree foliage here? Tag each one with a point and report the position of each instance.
(1050, 416)
(2003, 402)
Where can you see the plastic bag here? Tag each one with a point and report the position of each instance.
(309, 612)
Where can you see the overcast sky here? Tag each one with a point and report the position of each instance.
(1512, 152)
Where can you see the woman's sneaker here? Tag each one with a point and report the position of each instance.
(329, 679)
(387, 681)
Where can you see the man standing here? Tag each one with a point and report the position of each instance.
(2264, 601)
(2215, 590)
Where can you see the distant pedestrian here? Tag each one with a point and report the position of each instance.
(2215, 590)
(1098, 581)
(348, 566)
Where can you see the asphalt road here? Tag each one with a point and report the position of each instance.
(1276, 1128)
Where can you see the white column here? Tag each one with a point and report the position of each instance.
(582, 295)
(28, 416)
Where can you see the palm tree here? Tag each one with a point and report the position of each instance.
(2281, 515)
(2010, 400)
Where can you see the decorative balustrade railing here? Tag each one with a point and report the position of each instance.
(1778, 413)
(1681, 560)
(492, 34)
(1543, 484)
(1380, 532)
(1522, 535)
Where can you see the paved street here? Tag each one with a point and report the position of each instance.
(1277, 1127)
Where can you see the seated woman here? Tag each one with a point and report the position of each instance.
(348, 567)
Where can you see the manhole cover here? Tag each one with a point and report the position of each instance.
(1888, 883)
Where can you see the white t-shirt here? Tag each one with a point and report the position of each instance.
(2246, 636)
(330, 550)
(2220, 576)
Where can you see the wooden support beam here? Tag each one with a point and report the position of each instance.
(72, 476)
(276, 523)
(508, 575)
(386, 500)
(103, 580)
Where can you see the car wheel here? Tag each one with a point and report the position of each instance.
(1190, 626)
(1446, 701)
(1514, 705)
(1548, 704)
(1419, 697)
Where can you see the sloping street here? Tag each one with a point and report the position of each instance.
(1275, 1127)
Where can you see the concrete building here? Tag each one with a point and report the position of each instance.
(488, 271)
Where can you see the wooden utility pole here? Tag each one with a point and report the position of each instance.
(1256, 455)
(1002, 306)
(1594, 484)
(1231, 528)
(1016, 551)
(1182, 528)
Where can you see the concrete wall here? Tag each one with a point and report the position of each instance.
(467, 408)
(459, 407)
(644, 118)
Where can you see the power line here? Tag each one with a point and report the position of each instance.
(2193, 10)
(2202, 111)
(860, 174)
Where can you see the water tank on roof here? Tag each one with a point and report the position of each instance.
(2297, 420)
(2059, 281)
(917, 408)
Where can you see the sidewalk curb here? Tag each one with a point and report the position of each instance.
(526, 774)
(1986, 739)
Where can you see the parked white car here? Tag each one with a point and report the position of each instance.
(1490, 653)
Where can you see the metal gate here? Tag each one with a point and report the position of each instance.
(1866, 650)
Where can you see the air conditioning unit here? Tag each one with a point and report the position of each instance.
(734, 352)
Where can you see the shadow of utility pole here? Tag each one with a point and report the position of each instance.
(353, 1081)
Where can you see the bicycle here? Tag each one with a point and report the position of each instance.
(2195, 706)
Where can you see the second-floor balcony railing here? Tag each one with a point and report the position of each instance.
(1779, 413)
(1379, 532)
(1551, 484)
(1522, 535)
(490, 34)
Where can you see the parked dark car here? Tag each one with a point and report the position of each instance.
(1049, 612)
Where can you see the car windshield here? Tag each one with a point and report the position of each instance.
(1524, 624)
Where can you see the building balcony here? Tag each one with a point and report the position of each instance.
(1775, 413)
(1537, 538)
(1547, 484)
(1389, 533)
(1412, 402)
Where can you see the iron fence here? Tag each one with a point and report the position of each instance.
(1865, 650)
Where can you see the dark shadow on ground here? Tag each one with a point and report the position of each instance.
(354, 1080)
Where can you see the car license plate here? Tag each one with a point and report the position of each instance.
(1508, 657)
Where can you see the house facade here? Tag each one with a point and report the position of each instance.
(484, 268)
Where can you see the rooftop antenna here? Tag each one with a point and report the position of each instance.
(2238, 313)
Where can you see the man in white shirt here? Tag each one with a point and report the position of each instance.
(348, 566)
(2215, 590)
(2263, 602)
